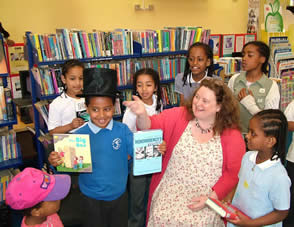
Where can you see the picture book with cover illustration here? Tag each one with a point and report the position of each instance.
(75, 152)
(147, 158)
(225, 210)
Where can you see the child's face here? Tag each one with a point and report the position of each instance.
(48, 208)
(146, 87)
(73, 80)
(251, 59)
(101, 110)
(198, 61)
(255, 136)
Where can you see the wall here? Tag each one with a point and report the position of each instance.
(41, 16)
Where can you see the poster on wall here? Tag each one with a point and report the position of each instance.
(16, 58)
(253, 16)
(228, 45)
(216, 38)
(273, 18)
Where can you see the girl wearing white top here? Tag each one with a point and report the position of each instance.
(62, 111)
(146, 84)
(252, 87)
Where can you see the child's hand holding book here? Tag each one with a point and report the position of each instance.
(162, 147)
(55, 159)
(240, 219)
(227, 211)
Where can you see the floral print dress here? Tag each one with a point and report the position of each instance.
(193, 170)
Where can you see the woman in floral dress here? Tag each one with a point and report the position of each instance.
(203, 157)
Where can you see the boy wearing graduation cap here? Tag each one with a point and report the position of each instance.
(105, 201)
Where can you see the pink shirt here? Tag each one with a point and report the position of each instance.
(173, 122)
(51, 221)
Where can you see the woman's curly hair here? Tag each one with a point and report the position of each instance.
(229, 114)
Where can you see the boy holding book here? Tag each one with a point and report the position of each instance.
(105, 201)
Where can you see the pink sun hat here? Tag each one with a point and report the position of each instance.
(32, 186)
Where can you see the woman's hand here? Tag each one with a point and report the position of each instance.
(162, 147)
(136, 106)
(198, 203)
(55, 159)
(77, 122)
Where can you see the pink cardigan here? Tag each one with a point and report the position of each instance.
(173, 122)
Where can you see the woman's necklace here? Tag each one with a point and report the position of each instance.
(202, 130)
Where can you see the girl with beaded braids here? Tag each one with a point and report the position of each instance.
(263, 191)
(199, 65)
(62, 111)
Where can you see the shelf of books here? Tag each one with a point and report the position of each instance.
(282, 67)
(122, 49)
(10, 155)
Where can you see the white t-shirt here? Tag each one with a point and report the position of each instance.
(62, 111)
(289, 113)
(130, 118)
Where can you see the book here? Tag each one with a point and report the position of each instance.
(81, 110)
(75, 152)
(42, 107)
(146, 158)
(227, 211)
(9, 105)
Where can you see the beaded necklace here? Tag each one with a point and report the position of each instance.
(203, 130)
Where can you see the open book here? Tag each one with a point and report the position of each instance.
(147, 158)
(75, 152)
(227, 210)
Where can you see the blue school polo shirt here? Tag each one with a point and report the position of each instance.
(262, 187)
(110, 147)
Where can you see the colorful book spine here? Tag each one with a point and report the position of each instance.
(86, 44)
(42, 45)
(3, 103)
(9, 104)
(37, 46)
(54, 80)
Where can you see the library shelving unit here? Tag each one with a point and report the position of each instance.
(15, 162)
(10, 160)
(33, 61)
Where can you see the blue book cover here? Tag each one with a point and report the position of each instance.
(147, 158)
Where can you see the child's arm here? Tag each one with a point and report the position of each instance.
(272, 99)
(268, 219)
(54, 159)
(77, 122)
(182, 101)
(291, 125)
(229, 197)
(162, 147)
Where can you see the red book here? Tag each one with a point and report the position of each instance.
(227, 211)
